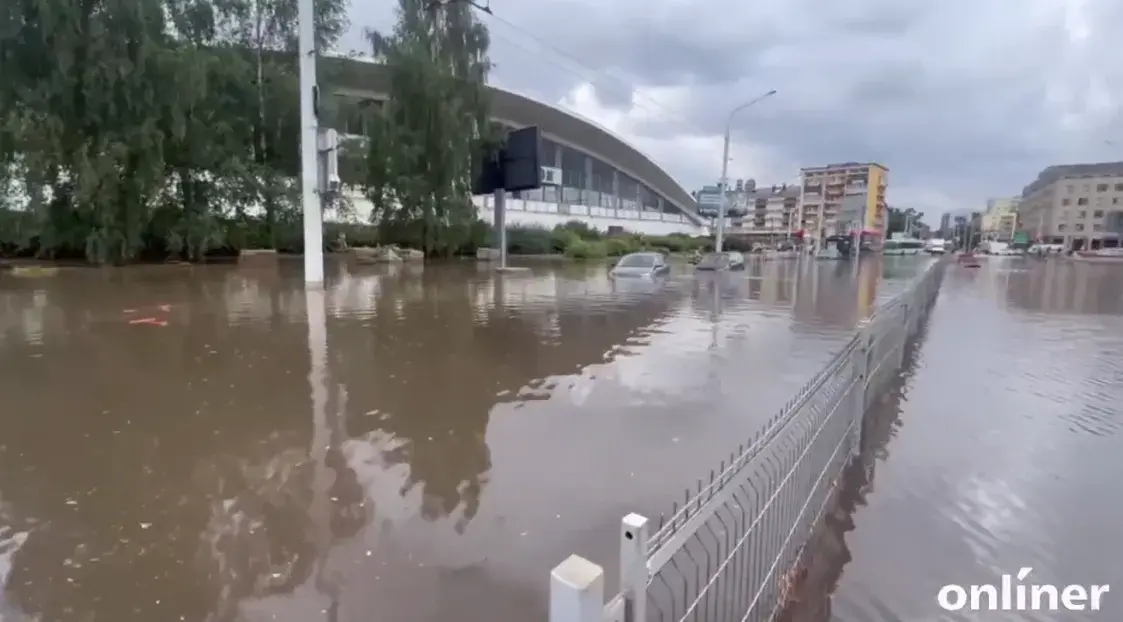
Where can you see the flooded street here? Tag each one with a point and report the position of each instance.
(1000, 450)
(208, 443)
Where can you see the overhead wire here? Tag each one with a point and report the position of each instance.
(598, 75)
(666, 113)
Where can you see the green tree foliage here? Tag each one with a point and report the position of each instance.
(140, 126)
(421, 143)
(898, 219)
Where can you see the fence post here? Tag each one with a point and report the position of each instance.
(633, 567)
(861, 384)
(906, 310)
(577, 591)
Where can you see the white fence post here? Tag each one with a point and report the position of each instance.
(862, 381)
(903, 326)
(633, 567)
(577, 591)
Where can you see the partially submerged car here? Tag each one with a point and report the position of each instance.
(727, 260)
(640, 265)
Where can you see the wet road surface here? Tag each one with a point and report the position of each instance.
(1000, 449)
(211, 443)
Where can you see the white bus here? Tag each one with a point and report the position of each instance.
(908, 246)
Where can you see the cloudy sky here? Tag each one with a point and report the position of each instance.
(961, 99)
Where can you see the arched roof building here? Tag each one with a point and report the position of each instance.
(599, 168)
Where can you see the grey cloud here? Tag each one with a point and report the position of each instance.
(962, 98)
(614, 95)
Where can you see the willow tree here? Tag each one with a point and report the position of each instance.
(421, 145)
(139, 125)
(83, 94)
(266, 32)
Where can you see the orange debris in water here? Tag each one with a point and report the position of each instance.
(148, 320)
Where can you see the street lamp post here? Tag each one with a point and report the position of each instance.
(720, 233)
(309, 154)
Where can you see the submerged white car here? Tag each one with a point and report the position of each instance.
(727, 260)
(640, 265)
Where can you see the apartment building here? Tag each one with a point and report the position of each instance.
(736, 198)
(1000, 220)
(767, 213)
(1078, 205)
(829, 191)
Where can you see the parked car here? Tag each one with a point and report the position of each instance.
(640, 265)
(728, 260)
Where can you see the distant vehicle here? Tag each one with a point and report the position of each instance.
(969, 260)
(908, 246)
(837, 247)
(1105, 255)
(640, 265)
(1046, 249)
(728, 260)
(992, 247)
(936, 246)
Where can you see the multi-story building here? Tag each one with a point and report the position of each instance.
(769, 213)
(1074, 205)
(824, 193)
(1000, 221)
(945, 225)
(709, 198)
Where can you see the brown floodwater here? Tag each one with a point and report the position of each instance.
(410, 443)
(1000, 448)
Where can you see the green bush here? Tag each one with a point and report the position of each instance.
(620, 245)
(577, 239)
(583, 249)
(676, 243)
(356, 234)
(563, 238)
(737, 243)
(583, 230)
(530, 241)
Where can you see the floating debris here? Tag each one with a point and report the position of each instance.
(148, 320)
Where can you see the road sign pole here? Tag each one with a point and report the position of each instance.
(500, 200)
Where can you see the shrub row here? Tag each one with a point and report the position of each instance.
(574, 239)
(579, 241)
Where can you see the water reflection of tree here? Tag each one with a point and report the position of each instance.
(272, 535)
(435, 364)
(830, 551)
(185, 449)
(104, 474)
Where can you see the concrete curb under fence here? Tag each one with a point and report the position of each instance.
(731, 549)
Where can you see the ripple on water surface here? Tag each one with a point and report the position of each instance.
(1001, 453)
(428, 451)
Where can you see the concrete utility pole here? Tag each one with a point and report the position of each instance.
(720, 233)
(309, 153)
